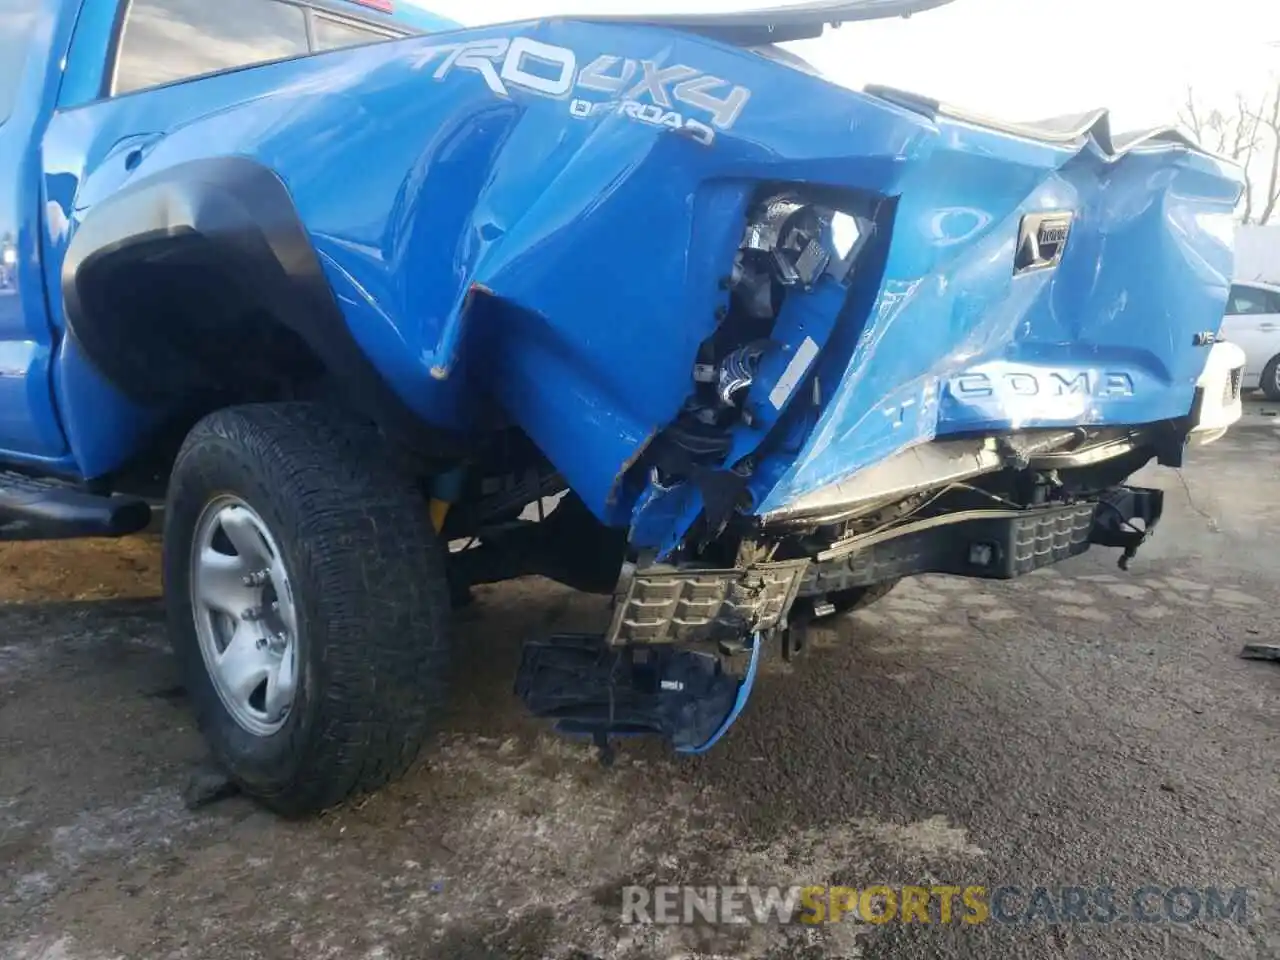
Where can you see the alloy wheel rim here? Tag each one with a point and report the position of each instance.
(245, 617)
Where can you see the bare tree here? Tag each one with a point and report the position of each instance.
(1248, 134)
(1271, 120)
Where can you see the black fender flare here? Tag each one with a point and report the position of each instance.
(239, 213)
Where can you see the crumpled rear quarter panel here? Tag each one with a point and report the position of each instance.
(601, 242)
(570, 266)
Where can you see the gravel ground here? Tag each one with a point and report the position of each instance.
(1082, 725)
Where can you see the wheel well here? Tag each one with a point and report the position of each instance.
(176, 322)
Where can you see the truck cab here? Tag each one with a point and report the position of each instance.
(60, 58)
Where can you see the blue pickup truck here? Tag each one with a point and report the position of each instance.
(381, 308)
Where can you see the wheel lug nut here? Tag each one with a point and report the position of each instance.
(258, 578)
(252, 615)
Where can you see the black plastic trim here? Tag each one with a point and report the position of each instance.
(1113, 522)
(1001, 548)
(38, 509)
(240, 217)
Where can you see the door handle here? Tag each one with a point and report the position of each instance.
(1268, 327)
(134, 148)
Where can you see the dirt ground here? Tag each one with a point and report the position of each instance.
(80, 570)
(1080, 725)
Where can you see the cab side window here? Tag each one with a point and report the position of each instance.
(164, 41)
(17, 19)
(334, 34)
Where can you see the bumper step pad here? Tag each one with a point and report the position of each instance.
(592, 689)
(659, 605)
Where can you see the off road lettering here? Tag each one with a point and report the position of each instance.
(676, 97)
(655, 81)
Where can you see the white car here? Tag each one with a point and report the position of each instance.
(1253, 322)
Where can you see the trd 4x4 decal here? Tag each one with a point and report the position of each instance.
(641, 90)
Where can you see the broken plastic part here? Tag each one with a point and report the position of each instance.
(812, 262)
(787, 275)
(590, 689)
(766, 232)
(739, 703)
(738, 370)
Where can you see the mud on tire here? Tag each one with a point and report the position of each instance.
(369, 589)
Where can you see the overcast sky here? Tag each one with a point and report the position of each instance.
(1017, 59)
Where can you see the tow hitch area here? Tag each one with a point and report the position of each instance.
(593, 689)
(1113, 523)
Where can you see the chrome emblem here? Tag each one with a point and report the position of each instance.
(1042, 238)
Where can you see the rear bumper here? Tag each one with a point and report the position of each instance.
(665, 605)
(1219, 393)
(996, 549)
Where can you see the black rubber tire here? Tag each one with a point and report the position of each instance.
(859, 598)
(369, 585)
(1269, 383)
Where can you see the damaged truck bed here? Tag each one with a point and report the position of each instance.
(891, 337)
(642, 303)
